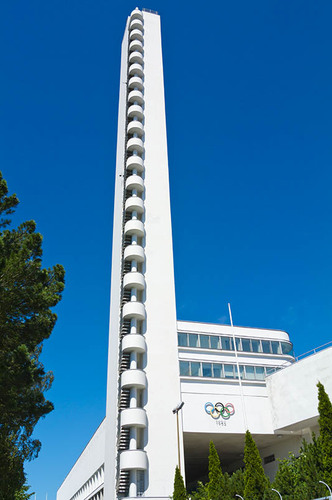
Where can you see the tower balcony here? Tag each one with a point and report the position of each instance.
(135, 182)
(134, 280)
(135, 144)
(133, 343)
(134, 252)
(134, 204)
(135, 127)
(136, 45)
(134, 417)
(133, 310)
(136, 35)
(134, 226)
(136, 14)
(136, 69)
(136, 57)
(136, 24)
(135, 82)
(136, 96)
(133, 459)
(133, 378)
(135, 110)
(135, 163)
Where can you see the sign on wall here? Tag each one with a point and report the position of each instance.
(219, 411)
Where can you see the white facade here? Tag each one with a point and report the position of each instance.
(229, 378)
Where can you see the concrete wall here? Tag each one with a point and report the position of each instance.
(89, 462)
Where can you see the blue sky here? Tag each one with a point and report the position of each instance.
(248, 102)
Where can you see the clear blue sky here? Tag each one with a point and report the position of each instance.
(248, 101)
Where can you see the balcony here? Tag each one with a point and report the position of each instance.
(133, 378)
(134, 226)
(135, 110)
(134, 280)
(136, 96)
(136, 24)
(136, 57)
(133, 343)
(135, 182)
(135, 82)
(134, 252)
(136, 45)
(136, 14)
(135, 127)
(135, 163)
(136, 35)
(134, 204)
(133, 459)
(135, 144)
(134, 417)
(136, 69)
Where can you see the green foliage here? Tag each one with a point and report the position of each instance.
(256, 484)
(325, 426)
(179, 492)
(28, 292)
(215, 485)
(23, 493)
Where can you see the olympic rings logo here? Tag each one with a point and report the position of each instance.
(219, 410)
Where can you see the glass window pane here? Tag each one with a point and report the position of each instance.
(207, 369)
(241, 371)
(205, 341)
(238, 344)
(256, 346)
(260, 372)
(217, 372)
(250, 372)
(229, 371)
(275, 347)
(269, 370)
(246, 345)
(287, 348)
(184, 368)
(227, 343)
(182, 339)
(195, 369)
(193, 340)
(266, 346)
(214, 341)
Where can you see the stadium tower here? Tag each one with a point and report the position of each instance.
(143, 375)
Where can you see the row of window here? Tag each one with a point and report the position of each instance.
(218, 370)
(227, 344)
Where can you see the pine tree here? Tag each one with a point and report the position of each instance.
(255, 481)
(179, 492)
(215, 485)
(325, 427)
(28, 293)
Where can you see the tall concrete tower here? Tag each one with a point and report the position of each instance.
(143, 376)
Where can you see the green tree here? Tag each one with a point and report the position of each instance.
(256, 484)
(179, 492)
(215, 486)
(27, 295)
(325, 428)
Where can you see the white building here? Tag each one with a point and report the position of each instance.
(229, 378)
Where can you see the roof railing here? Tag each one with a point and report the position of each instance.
(151, 11)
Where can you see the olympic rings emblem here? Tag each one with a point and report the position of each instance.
(219, 410)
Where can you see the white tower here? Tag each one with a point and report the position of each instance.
(143, 378)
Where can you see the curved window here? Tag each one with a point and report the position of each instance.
(225, 371)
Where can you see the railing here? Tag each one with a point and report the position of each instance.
(313, 351)
(151, 11)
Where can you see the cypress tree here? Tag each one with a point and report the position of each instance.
(325, 426)
(256, 483)
(216, 479)
(179, 492)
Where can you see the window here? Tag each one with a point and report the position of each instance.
(207, 369)
(193, 340)
(256, 346)
(227, 343)
(229, 371)
(184, 368)
(269, 459)
(205, 341)
(260, 372)
(182, 339)
(287, 348)
(246, 345)
(250, 372)
(266, 346)
(214, 341)
(195, 369)
(275, 347)
(238, 344)
(217, 370)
